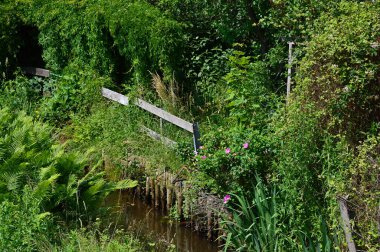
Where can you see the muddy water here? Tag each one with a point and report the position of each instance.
(134, 214)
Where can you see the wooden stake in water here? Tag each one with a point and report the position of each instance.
(157, 192)
(169, 194)
(209, 219)
(147, 183)
(179, 198)
(152, 188)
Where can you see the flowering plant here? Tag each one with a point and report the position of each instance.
(228, 160)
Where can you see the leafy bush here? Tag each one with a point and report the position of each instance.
(23, 226)
(146, 37)
(71, 94)
(243, 110)
(22, 93)
(331, 110)
(230, 158)
(54, 99)
(362, 192)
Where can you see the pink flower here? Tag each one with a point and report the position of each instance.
(203, 157)
(226, 198)
(201, 147)
(228, 150)
(245, 145)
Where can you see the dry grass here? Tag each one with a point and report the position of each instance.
(168, 93)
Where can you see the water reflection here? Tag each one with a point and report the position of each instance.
(144, 220)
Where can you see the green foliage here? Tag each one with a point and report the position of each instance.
(73, 93)
(147, 38)
(243, 111)
(23, 226)
(107, 38)
(128, 151)
(71, 31)
(363, 192)
(229, 59)
(248, 100)
(89, 240)
(9, 39)
(331, 110)
(25, 148)
(22, 93)
(56, 99)
(254, 226)
(261, 225)
(229, 166)
(342, 50)
(29, 156)
(293, 20)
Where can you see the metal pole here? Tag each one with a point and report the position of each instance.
(290, 61)
(196, 136)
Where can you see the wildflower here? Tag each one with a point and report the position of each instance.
(201, 147)
(245, 145)
(226, 198)
(203, 157)
(195, 153)
(228, 150)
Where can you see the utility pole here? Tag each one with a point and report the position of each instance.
(290, 61)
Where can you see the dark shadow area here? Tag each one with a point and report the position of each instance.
(30, 53)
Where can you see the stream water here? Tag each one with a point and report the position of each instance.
(131, 213)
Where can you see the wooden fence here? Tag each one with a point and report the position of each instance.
(193, 128)
(162, 114)
(36, 71)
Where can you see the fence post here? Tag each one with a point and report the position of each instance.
(161, 126)
(196, 136)
(346, 224)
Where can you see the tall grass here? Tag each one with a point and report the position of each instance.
(259, 224)
(253, 226)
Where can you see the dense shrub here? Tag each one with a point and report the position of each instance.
(23, 226)
(361, 190)
(331, 111)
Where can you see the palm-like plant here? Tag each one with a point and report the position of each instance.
(65, 181)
